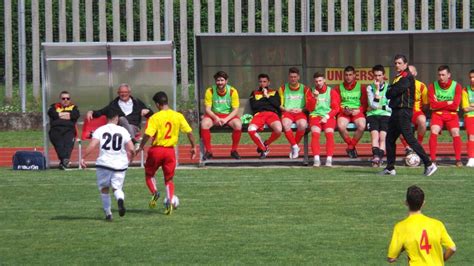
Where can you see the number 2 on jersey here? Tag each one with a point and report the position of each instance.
(168, 131)
(424, 242)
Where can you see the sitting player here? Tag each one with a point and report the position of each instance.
(222, 104)
(353, 97)
(265, 104)
(378, 114)
(116, 150)
(445, 96)
(322, 116)
(294, 97)
(468, 108)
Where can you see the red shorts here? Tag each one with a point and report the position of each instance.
(469, 125)
(352, 118)
(221, 116)
(415, 116)
(294, 117)
(161, 157)
(448, 120)
(262, 118)
(315, 121)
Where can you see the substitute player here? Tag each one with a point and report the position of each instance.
(265, 104)
(422, 237)
(222, 105)
(378, 114)
(116, 150)
(421, 104)
(468, 108)
(294, 97)
(164, 128)
(445, 97)
(353, 106)
(322, 116)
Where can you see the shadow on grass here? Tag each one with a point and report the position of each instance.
(74, 218)
(134, 211)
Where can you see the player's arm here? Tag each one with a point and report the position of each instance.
(281, 92)
(373, 103)
(434, 103)
(53, 115)
(208, 105)
(130, 150)
(335, 104)
(448, 253)
(275, 100)
(308, 99)
(185, 128)
(454, 105)
(363, 99)
(311, 101)
(447, 243)
(145, 139)
(235, 102)
(193, 145)
(395, 248)
(465, 105)
(398, 88)
(92, 146)
(75, 114)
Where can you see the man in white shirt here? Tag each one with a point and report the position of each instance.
(116, 150)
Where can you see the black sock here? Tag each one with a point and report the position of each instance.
(375, 151)
(381, 153)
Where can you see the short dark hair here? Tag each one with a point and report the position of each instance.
(415, 198)
(349, 69)
(471, 72)
(64, 92)
(444, 67)
(221, 74)
(111, 113)
(378, 68)
(160, 98)
(318, 75)
(263, 75)
(293, 70)
(400, 56)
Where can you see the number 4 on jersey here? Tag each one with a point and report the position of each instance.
(424, 242)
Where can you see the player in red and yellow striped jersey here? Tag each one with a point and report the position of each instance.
(422, 237)
(164, 128)
(221, 102)
(420, 104)
(467, 104)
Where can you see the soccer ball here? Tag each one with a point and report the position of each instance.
(412, 160)
(174, 201)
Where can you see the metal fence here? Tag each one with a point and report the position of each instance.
(179, 20)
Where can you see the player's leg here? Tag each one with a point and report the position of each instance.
(57, 140)
(103, 183)
(407, 132)
(469, 125)
(373, 125)
(236, 124)
(360, 123)
(68, 146)
(206, 124)
(276, 126)
(153, 162)
(132, 130)
(287, 122)
(383, 127)
(117, 186)
(301, 125)
(169, 166)
(392, 135)
(329, 132)
(315, 136)
(420, 124)
(452, 125)
(342, 122)
(435, 129)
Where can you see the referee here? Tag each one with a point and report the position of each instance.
(402, 97)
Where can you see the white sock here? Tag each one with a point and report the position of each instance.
(329, 158)
(106, 203)
(316, 157)
(119, 194)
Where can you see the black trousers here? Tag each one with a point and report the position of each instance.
(63, 141)
(400, 123)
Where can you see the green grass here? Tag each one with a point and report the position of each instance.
(340, 216)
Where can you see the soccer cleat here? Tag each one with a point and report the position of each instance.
(235, 155)
(430, 170)
(295, 150)
(352, 153)
(375, 161)
(459, 164)
(121, 207)
(168, 208)
(317, 163)
(108, 218)
(388, 172)
(263, 154)
(66, 163)
(207, 155)
(154, 199)
(329, 162)
(408, 150)
(470, 162)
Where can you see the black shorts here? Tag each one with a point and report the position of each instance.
(377, 122)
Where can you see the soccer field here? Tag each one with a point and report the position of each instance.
(341, 216)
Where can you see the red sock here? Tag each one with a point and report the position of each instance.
(420, 138)
(256, 139)
(330, 144)
(274, 136)
(299, 135)
(348, 140)
(290, 138)
(315, 143)
(354, 142)
(169, 189)
(433, 146)
(206, 139)
(236, 139)
(404, 142)
(457, 143)
(470, 148)
(151, 184)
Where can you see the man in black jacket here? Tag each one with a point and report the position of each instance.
(130, 110)
(63, 116)
(265, 104)
(402, 97)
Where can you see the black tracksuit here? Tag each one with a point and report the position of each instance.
(402, 98)
(259, 103)
(62, 132)
(134, 118)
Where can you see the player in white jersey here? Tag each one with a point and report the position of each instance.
(116, 150)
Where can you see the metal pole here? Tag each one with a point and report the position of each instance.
(45, 117)
(22, 53)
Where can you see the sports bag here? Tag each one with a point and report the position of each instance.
(29, 160)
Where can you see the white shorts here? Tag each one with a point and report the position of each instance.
(109, 178)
